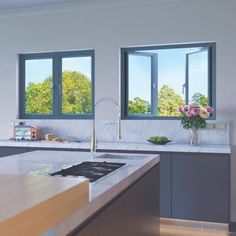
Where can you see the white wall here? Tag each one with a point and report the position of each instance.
(108, 29)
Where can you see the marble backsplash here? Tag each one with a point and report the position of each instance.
(132, 130)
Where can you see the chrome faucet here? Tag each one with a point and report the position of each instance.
(93, 141)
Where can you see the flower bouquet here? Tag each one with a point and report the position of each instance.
(194, 118)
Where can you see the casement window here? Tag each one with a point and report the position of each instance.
(156, 80)
(57, 85)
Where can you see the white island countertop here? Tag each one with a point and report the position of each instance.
(122, 146)
(100, 192)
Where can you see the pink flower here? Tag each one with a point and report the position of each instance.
(210, 109)
(181, 109)
(185, 108)
(191, 106)
(195, 111)
(189, 114)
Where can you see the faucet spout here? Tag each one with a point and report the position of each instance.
(93, 141)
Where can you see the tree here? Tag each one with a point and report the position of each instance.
(168, 102)
(200, 99)
(39, 97)
(76, 98)
(139, 106)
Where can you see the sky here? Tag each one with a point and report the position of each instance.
(37, 70)
(171, 71)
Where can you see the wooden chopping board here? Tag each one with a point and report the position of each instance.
(30, 205)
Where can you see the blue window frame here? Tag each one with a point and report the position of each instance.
(57, 85)
(156, 80)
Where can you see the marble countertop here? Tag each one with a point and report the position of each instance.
(100, 192)
(122, 146)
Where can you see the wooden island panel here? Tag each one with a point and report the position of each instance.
(30, 205)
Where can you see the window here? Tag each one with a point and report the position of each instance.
(156, 80)
(57, 85)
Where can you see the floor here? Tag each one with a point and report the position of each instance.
(190, 228)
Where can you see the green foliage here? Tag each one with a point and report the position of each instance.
(139, 106)
(76, 99)
(76, 92)
(200, 99)
(195, 122)
(168, 102)
(39, 97)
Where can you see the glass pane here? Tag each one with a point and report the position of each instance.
(198, 77)
(76, 85)
(38, 86)
(139, 84)
(171, 81)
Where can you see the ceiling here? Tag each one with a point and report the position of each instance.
(19, 4)
(9, 6)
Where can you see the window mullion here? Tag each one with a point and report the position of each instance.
(154, 85)
(22, 100)
(187, 79)
(127, 83)
(57, 86)
(210, 85)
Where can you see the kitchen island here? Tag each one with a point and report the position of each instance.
(125, 202)
(179, 169)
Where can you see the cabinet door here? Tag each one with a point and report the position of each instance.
(8, 151)
(111, 219)
(141, 206)
(200, 187)
(90, 229)
(165, 185)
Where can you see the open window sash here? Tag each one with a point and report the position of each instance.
(152, 77)
(197, 75)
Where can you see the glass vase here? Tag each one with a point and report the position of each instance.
(194, 137)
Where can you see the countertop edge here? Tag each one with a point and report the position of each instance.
(121, 146)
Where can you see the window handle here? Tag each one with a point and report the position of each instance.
(183, 88)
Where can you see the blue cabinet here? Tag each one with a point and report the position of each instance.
(8, 151)
(165, 185)
(200, 187)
